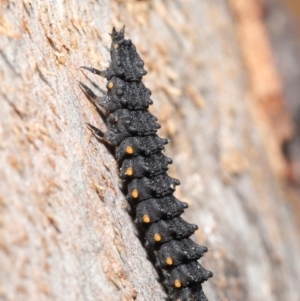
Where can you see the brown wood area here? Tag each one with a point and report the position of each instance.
(224, 81)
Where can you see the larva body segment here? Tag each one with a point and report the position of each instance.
(141, 166)
(181, 251)
(132, 123)
(139, 146)
(138, 150)
(157, 187)
(129, 95)
(187, 274)
(159, 209)
(175, 228)
(194, 293)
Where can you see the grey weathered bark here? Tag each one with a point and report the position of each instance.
(65, 230)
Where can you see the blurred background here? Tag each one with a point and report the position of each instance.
(225, 82)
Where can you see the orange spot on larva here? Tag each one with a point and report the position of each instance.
(129, 150)
(169, 260)
(129, 171)
(177, 283)
(110, 85)
(157, 237)
(146, 218)
(135, 193)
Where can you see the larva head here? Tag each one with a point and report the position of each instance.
(125, 61)
(117, 36)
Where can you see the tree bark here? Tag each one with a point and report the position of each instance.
(66, 231)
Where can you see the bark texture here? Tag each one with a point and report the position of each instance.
(66, 233)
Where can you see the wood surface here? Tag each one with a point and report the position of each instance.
(220, 96)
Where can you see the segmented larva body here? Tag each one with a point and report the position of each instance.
(143, 167)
